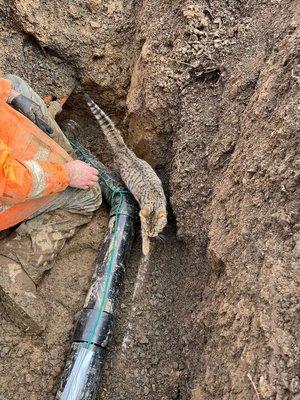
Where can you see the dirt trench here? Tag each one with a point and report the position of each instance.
(208, 93)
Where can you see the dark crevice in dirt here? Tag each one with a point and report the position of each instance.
(31, 40)
(210, 74)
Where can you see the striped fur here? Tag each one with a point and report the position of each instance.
(138, 176)
(111, 133)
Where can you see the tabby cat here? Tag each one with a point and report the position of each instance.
(138, 176)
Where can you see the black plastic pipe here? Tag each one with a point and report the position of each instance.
(81, 377)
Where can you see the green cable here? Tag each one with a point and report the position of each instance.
(112, 256)
(108, 274)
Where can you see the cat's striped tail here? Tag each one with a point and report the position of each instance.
(111, 133)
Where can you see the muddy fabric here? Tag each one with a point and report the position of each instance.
(37, 242)
(28, 252)
(20, 297)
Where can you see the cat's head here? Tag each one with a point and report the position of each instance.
(153, 222)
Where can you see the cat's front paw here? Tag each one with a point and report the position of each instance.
(146, 246)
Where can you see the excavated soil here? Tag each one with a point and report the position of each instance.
(208, 93)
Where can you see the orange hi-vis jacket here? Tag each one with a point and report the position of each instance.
(32, 168)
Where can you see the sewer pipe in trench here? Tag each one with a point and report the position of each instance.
(81, 377)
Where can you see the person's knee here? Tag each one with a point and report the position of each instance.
(21, 86)
(18, 83)
(96, 197)
(12, 78)
(85, 201)
(91, 199)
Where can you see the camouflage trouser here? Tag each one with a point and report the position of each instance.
(31, 250)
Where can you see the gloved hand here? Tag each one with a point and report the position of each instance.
(32, 111)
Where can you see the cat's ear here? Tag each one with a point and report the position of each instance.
(145, 212)
(161, 214)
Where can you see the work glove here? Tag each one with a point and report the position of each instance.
(32, 111)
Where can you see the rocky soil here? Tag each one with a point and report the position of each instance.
(208, 93)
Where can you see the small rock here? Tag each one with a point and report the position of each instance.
(196, 394)
(93, 5)
(144, 340)
(174, 394)
(194, 38)
(265, 388)
(5, 350)
(181, 366)
(217, 20)
(295, 385)
(95, 24)
(154, 360)
(73, 11)
(54, 354)
(175, 366)
(146, 391)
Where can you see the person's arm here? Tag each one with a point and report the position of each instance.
(52, 177)
(23, 180)
(29, 179)
(30, 109)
